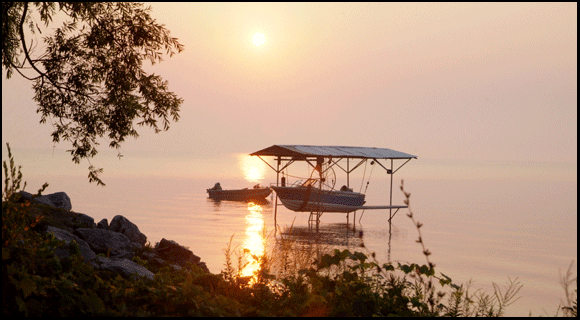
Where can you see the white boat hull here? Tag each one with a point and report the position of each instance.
(303, 199)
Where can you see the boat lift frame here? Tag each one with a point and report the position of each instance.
(285, 155)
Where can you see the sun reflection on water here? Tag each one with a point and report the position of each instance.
(254, 242)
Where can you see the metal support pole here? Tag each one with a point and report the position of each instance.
(391, 197)
(276, 203)
(347, 174)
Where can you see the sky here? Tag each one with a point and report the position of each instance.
(481, 81)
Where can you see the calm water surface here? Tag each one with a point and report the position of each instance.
(485, 221)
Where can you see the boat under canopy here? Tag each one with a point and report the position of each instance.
(309, 198)
(312, 199)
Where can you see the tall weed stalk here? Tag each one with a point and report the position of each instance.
(570, 306)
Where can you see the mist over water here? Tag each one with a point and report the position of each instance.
(485, 221)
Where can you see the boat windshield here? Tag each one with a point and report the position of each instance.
(309, 182)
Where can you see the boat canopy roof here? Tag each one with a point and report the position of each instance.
(303, 151)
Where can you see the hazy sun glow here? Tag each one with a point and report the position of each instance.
(258, 38)
(253, 173)
(252, 167)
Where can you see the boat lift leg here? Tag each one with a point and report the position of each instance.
(310, 220)
(314, 218)
(353, 221)
(276, 204)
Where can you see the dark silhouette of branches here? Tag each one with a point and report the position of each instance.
(89, 79)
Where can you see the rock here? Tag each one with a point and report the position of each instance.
(58, 199)
(25, 196)
(66, 220)
(203, 266)
(106, 241)
(155, 260)
(124, 267)
(123, 225)
(103, 224)
(66, 236)
(42, 200)
(84, 221)
(171, 251)
(118, 241)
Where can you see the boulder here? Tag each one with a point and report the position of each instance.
(155, 260)
(203, 266)
(66, 220)
(103, 224)
(106, 241)
(58, 199)
(171, 251)
(84, 221)
(123, 225)
(68, 237)
(38, 199)
(124, 267)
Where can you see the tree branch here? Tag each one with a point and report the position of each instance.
(26, 54)
(31, 62)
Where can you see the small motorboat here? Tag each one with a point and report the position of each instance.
(255, 193)
(309, 198)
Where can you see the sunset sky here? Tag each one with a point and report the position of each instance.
(437, 80)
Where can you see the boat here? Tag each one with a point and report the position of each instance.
(306, 197)
(255, 193)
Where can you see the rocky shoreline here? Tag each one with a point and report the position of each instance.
(105, 246)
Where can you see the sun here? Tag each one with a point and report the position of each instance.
(252, 168)
(258, 39)
(253, 174)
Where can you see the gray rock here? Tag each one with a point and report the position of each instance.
(43, 200)
(123, 225)
(155, 259)
(106, 241)
(124, 267)
(25, 195)
(58, 199)
(84, 221)
(171, 251)
(103, 224)
(203, 266)
(68, 237)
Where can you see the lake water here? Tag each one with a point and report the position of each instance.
(485, 221)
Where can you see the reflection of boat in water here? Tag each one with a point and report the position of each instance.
(309, 198)
(246, 194)
(334, 234)
(242, 203)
